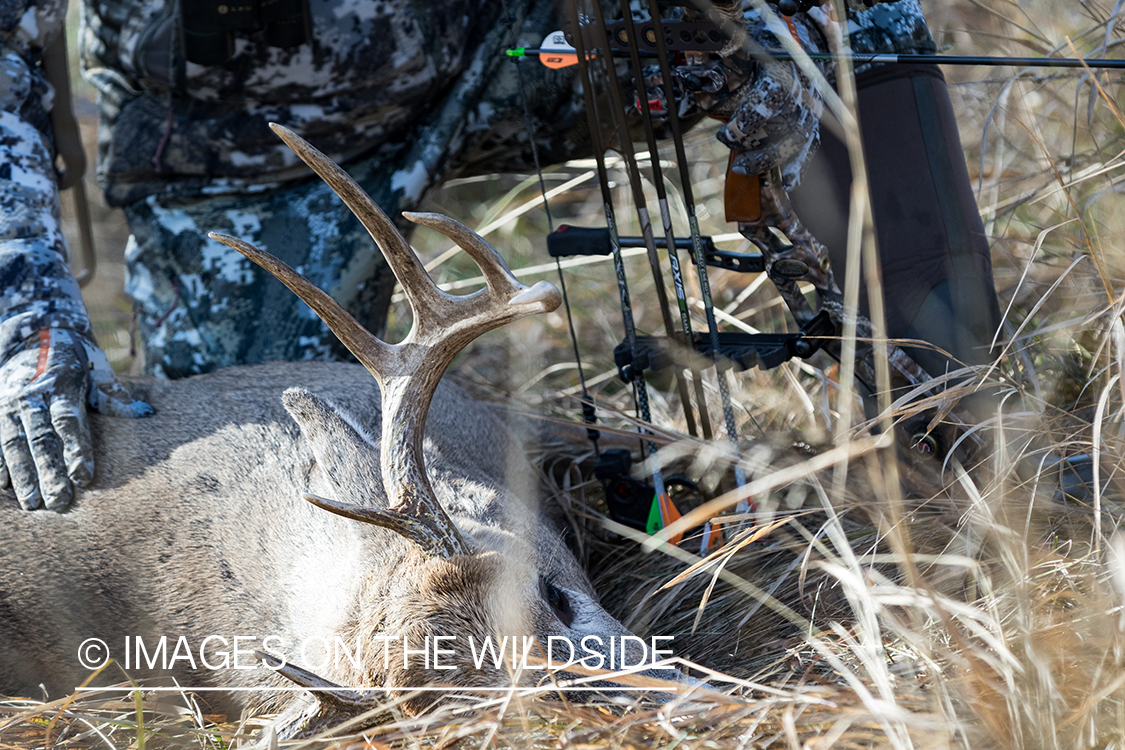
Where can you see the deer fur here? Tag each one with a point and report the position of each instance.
(196, 525)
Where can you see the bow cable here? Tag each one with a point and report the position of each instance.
(625, 141)
(666, 221)
(709, 536)
(697, 243)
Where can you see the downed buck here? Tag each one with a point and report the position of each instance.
(195, 530)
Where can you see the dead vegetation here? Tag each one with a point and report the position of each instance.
(979, 608)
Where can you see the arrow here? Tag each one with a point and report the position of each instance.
(555, 53)
(563, 58)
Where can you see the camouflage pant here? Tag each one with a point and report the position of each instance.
(200, 305)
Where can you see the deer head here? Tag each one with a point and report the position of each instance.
(408, 372)
(486, 583)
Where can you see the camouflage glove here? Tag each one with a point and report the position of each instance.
(45, 385)
(772, 109)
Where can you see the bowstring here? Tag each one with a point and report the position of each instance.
(640, 388)
(625, 142)
(589, 414)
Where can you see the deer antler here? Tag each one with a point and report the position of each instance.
(408, 372)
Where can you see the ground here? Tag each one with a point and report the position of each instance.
(894, 606)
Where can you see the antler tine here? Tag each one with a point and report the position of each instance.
(407, 381)
(505, 300)
(425, 536)
(366, 347)
(420, 291)
(495, 271)
(408, 373)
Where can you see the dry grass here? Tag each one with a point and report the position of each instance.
(976, 609)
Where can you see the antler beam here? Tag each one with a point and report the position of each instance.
(408, 372)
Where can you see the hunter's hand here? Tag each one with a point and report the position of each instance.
(45, 387)
(771, 108)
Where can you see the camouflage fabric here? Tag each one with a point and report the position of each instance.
(49, 367)
(771, 108)
(891, 28)
(201, 305)
(372, 77)
(402, 96)
(776, 122)
(28, 26)
(36, 285)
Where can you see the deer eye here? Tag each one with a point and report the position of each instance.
(557, 600)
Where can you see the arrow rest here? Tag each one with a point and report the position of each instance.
(568, 241)
(736, 349)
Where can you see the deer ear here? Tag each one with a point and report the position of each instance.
(347, 455)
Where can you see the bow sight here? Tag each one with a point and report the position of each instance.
(700, 35)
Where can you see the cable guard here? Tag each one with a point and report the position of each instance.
(744, 350)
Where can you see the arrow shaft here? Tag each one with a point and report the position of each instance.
(989, 60)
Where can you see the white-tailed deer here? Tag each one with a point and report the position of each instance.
(410, 558)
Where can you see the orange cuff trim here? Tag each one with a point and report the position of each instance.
(44, 351)
(792, 28)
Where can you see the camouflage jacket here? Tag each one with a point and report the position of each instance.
(426, 84)
(897, 27)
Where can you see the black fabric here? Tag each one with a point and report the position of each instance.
(937, 272)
